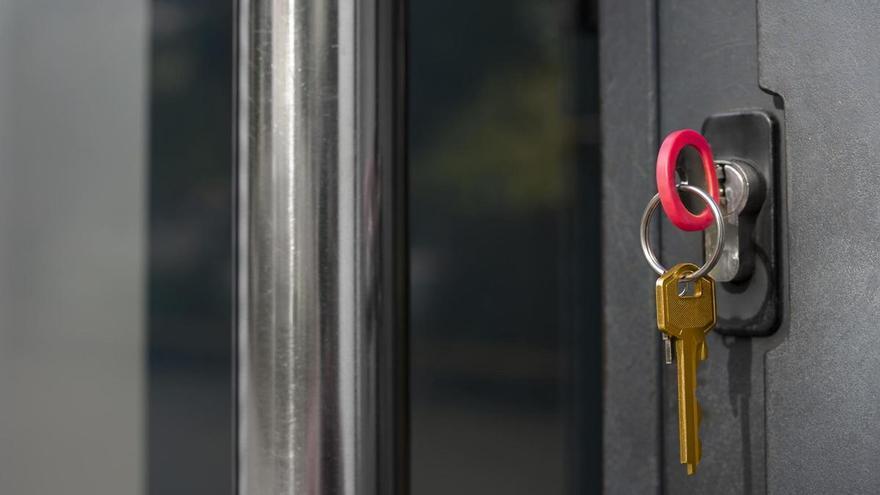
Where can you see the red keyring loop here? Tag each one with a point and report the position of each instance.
(667, 157)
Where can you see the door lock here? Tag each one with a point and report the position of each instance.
(746, 149)
(742, 194)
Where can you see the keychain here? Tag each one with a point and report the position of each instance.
(685, 294)
(667, 158)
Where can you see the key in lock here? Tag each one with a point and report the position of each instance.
(742, 194)
(750, 283)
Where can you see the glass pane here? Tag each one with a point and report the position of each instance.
(115, 247)
(73, 114)
(505, 334)
(190, 425)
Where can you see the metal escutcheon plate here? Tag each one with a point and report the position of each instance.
(749, 301)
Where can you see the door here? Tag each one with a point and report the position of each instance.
(794, 411)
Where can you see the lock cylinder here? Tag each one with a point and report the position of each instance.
(742, 194)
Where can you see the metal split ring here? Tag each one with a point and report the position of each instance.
(719, 229)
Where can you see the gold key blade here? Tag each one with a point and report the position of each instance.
(686, 350)
(687, 317)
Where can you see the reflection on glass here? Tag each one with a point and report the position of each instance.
(190, 394)
(497, 133)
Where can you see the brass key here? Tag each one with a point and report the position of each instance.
(687, 318)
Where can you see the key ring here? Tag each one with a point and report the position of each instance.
(667, 157)
(719, 228)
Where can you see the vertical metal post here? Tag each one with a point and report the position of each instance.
(321, 252)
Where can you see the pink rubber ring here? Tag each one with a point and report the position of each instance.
(669, 198)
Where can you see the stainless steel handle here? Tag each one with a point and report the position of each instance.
(319, 247)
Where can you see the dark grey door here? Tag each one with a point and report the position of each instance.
(795, 412)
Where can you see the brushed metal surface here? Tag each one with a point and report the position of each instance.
(821, 387)
(317, 246)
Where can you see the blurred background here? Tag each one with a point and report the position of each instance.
(503, 222)
(116, 356)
